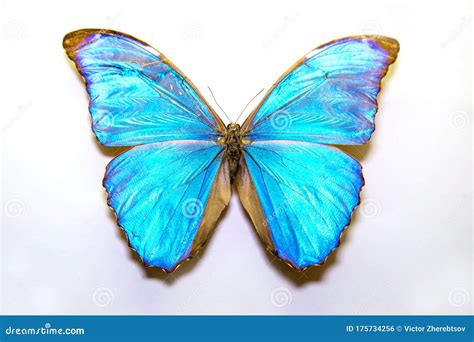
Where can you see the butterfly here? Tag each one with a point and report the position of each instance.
(172, 184)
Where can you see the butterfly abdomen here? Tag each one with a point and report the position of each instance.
(232, 140)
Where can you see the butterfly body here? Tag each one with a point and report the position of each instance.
(170, 187)
(233, 141)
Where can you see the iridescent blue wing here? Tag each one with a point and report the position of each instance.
(167, 197)
(300, 197)
(169, 191)
(137, 96)
(299, 192)
(329, 96)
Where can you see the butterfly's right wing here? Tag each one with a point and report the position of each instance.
(168, 197)
(136, 95)
(169, 191)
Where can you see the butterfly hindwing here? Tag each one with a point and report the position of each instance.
(137, 96)
(300, 197)
(167, 197)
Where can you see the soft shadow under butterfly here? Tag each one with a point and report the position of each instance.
(169, 190)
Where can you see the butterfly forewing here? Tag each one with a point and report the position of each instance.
(137, 96)
(329, 96)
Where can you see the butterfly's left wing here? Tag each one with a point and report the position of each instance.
(327, 97)
(167, 197)
(300, 192)
(300, 197)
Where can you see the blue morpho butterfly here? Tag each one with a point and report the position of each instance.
(169, 190)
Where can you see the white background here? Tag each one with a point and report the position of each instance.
(408, 249)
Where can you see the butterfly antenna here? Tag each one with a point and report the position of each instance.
(253, 98)
(217, 103)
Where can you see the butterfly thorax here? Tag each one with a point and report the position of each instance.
(232, 141)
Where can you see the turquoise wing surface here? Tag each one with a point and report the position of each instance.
(167, 197)
(299, 191)
(306, 193)
(169, 190)
(329, 96)
(137, 96)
